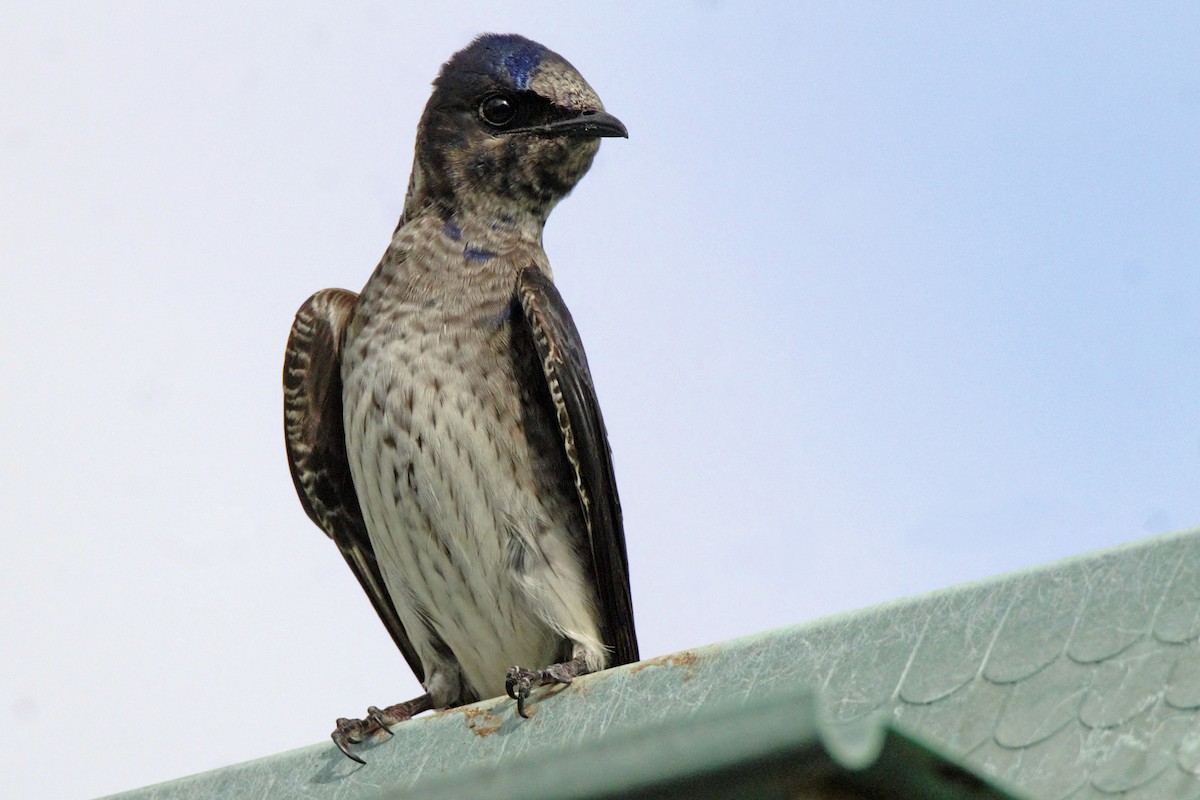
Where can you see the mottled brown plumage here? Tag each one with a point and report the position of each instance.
(443, 428)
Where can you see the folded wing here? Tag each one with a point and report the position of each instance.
(316, 446)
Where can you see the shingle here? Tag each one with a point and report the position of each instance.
(861, 664)
(1038, 624)
(1053, 769)
(1172, 784)
(1139, 752)
(960, 722)
(1124, 592)
(1043, 704)
(1178, 618)
(1183, 684)
(1056, 766)
(1127, 685)
(961, 630)
(1188, 754)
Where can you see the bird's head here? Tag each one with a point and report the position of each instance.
(509, 130)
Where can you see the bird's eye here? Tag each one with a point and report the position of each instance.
(497, 110)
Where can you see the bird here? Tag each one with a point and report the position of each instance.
(442, 426)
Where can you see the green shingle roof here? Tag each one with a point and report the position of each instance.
(1079, 679)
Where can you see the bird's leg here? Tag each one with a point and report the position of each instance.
(519, 682)
(353, 731)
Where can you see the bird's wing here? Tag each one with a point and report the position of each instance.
(586, 442)
(316, 446)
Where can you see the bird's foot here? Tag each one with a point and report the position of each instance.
(353, 731)
(520, 682)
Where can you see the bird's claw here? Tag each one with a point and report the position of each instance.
(375, 715)
(518, 682)
(353, 731)
(347, 732)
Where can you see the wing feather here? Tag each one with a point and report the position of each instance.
(586, 443)
(316, 446)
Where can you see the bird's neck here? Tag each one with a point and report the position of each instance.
(481, 214)
(482, 221)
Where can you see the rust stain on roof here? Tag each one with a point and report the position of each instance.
(481, 722)
(686, 660)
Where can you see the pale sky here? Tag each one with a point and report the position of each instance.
(878, 299)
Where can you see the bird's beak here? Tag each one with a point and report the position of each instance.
(587, 124)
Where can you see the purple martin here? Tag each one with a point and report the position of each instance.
(442, 427)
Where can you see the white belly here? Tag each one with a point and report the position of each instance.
(470, 553)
